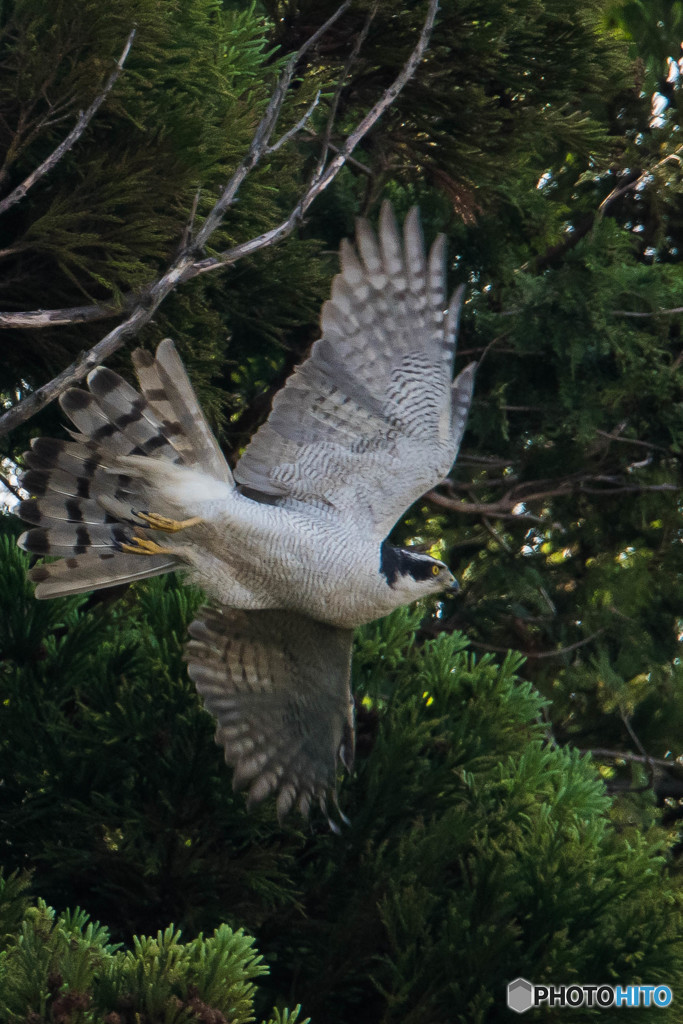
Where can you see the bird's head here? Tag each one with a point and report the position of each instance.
(412, 574)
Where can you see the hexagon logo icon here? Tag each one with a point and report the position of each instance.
(520, 995)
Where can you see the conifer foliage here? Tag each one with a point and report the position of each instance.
(477, 851)
(508, 817)
(64, 968)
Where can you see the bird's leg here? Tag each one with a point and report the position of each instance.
(157, 522)
(141, 545)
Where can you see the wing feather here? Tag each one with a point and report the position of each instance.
(278, 685)
(367, 423)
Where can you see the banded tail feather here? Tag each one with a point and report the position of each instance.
(85, 505)
(68, 538)
(83, 573)
(169, 393)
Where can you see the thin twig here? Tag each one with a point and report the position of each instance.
(351, 160)
(632, 440)
(5, 482)
(621, 190)
(84, 119)
(637, 489)
(600, 753)
(491, 344)
(631, 731)
(343, 78)
(299, 126)
(189, 227)
(560, 652)
(656, 312)
(488, 526)
(319, 182)
(181, 267)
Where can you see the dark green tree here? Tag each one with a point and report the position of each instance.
(477, 849)
(483, 843)
(64, 968)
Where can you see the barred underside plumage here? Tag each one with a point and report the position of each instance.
(365, 426)
(278, 684)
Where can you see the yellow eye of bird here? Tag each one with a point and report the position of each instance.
(435, 570)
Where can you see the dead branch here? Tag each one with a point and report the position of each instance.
(560, 652)
(656, 312)
(343, 78)
(295, 129)
(632, 440)
(13, 490)
(520, 494)
(185, 266)
(601, 754)
(84, 119)
(641, 179)
(69, 315)
(321, 178)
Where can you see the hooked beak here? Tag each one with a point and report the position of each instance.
(453, 587)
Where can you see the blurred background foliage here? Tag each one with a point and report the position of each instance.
(479, 838)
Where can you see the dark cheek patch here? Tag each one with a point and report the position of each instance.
(389, 562)
(395, 562)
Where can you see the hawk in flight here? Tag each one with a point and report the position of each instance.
(291, 546)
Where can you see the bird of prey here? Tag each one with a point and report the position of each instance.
(291, 546)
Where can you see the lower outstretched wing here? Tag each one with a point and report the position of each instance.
(278, 684)
(372, 419)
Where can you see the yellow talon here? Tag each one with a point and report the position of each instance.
(143, 546)
(157, 522)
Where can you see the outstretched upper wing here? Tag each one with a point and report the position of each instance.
(371, 420)
(278, 683)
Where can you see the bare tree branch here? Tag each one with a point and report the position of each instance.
(587, 222)
(84, 119)
(519, 494)
(632, 440)
(259, 146)
(630, 185)
(322, 178)
(538, 654)
(13, 490)
(185, 266)
(299, 126)
(70, 315)
(343, 78)
(600, 753)
(656, 312)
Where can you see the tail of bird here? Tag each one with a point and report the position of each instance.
(88, 492)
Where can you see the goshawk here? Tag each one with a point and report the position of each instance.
(290, 547)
